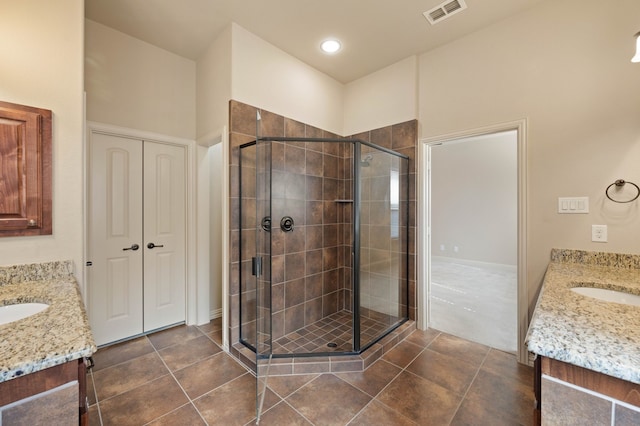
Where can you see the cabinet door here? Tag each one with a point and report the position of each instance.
(164, 235)
(25, 170)
(115, 218)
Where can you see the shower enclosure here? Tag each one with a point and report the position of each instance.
(323, 245)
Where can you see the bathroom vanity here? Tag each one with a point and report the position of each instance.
(42, 355)
(587, 349)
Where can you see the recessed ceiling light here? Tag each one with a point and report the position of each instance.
(330, 46)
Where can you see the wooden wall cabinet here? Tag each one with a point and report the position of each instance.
(25, 170)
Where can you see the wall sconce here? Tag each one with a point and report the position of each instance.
(636, 57)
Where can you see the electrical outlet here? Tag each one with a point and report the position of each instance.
(599, 233)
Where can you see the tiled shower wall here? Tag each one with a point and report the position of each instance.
(311, 266)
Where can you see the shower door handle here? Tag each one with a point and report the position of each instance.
(256, 266)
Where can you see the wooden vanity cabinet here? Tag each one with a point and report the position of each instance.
(56, 395)
(568, 394)
(25, 170)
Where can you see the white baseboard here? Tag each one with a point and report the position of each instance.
(216, 313)
(477, 263)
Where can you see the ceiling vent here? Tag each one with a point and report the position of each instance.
(444, 11)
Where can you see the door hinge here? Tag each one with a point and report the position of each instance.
(89, 263)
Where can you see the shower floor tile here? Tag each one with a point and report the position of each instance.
(333, 329)
(473, 384)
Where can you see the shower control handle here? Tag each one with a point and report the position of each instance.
(286, 224)
(266, 223)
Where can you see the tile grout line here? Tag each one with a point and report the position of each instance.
(183, 391)
(475, 376)
(95, 393)
(169, 372)
(180, 385)
(402, 369)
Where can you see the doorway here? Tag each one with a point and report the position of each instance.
(137, 236)
(472, 244)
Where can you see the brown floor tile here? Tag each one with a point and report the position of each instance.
(128, 375)
(438, 368)
(216, 336)
(207, 375)
(282, 414)
(121, 352)
(506, 365)
(185, 415)
(471, 352)
(422, 401)
(498, 389)
(213, 325)
(91, 392)
(285, 385)
(509, 397)
(402, 354)
(422, 338)
(233, 403)
(473, 413)
(144, 403)
(94, 415)
(174, 335)
(328, 400)
(378, 414)
(374, 378)
(186, 353)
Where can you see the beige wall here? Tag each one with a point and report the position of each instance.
(267, 77)
(213, 70)
(564, 65)
(474, 199)
(133, 84)
(385, 97)
(42, 66)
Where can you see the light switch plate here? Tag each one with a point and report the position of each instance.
(573, 205)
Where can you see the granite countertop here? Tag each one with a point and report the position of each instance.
(583, 331)
(54, 336)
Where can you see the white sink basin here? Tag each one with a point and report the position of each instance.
(18, 311)
(609, 295)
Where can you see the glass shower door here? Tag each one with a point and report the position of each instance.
(383, 219)
(261, 269)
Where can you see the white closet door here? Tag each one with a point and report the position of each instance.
(115, 217)
(164, 235)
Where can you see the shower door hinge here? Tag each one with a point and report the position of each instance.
(256, 266)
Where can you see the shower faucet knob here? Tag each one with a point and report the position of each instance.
(286, 224)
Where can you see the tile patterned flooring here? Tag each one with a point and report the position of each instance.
(181, 376)
(335, 328)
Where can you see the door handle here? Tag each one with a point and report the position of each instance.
(151, 245)
(134, 247)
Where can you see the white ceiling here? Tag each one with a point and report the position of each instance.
(374, 33)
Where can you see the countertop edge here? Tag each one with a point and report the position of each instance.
(600, 336)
